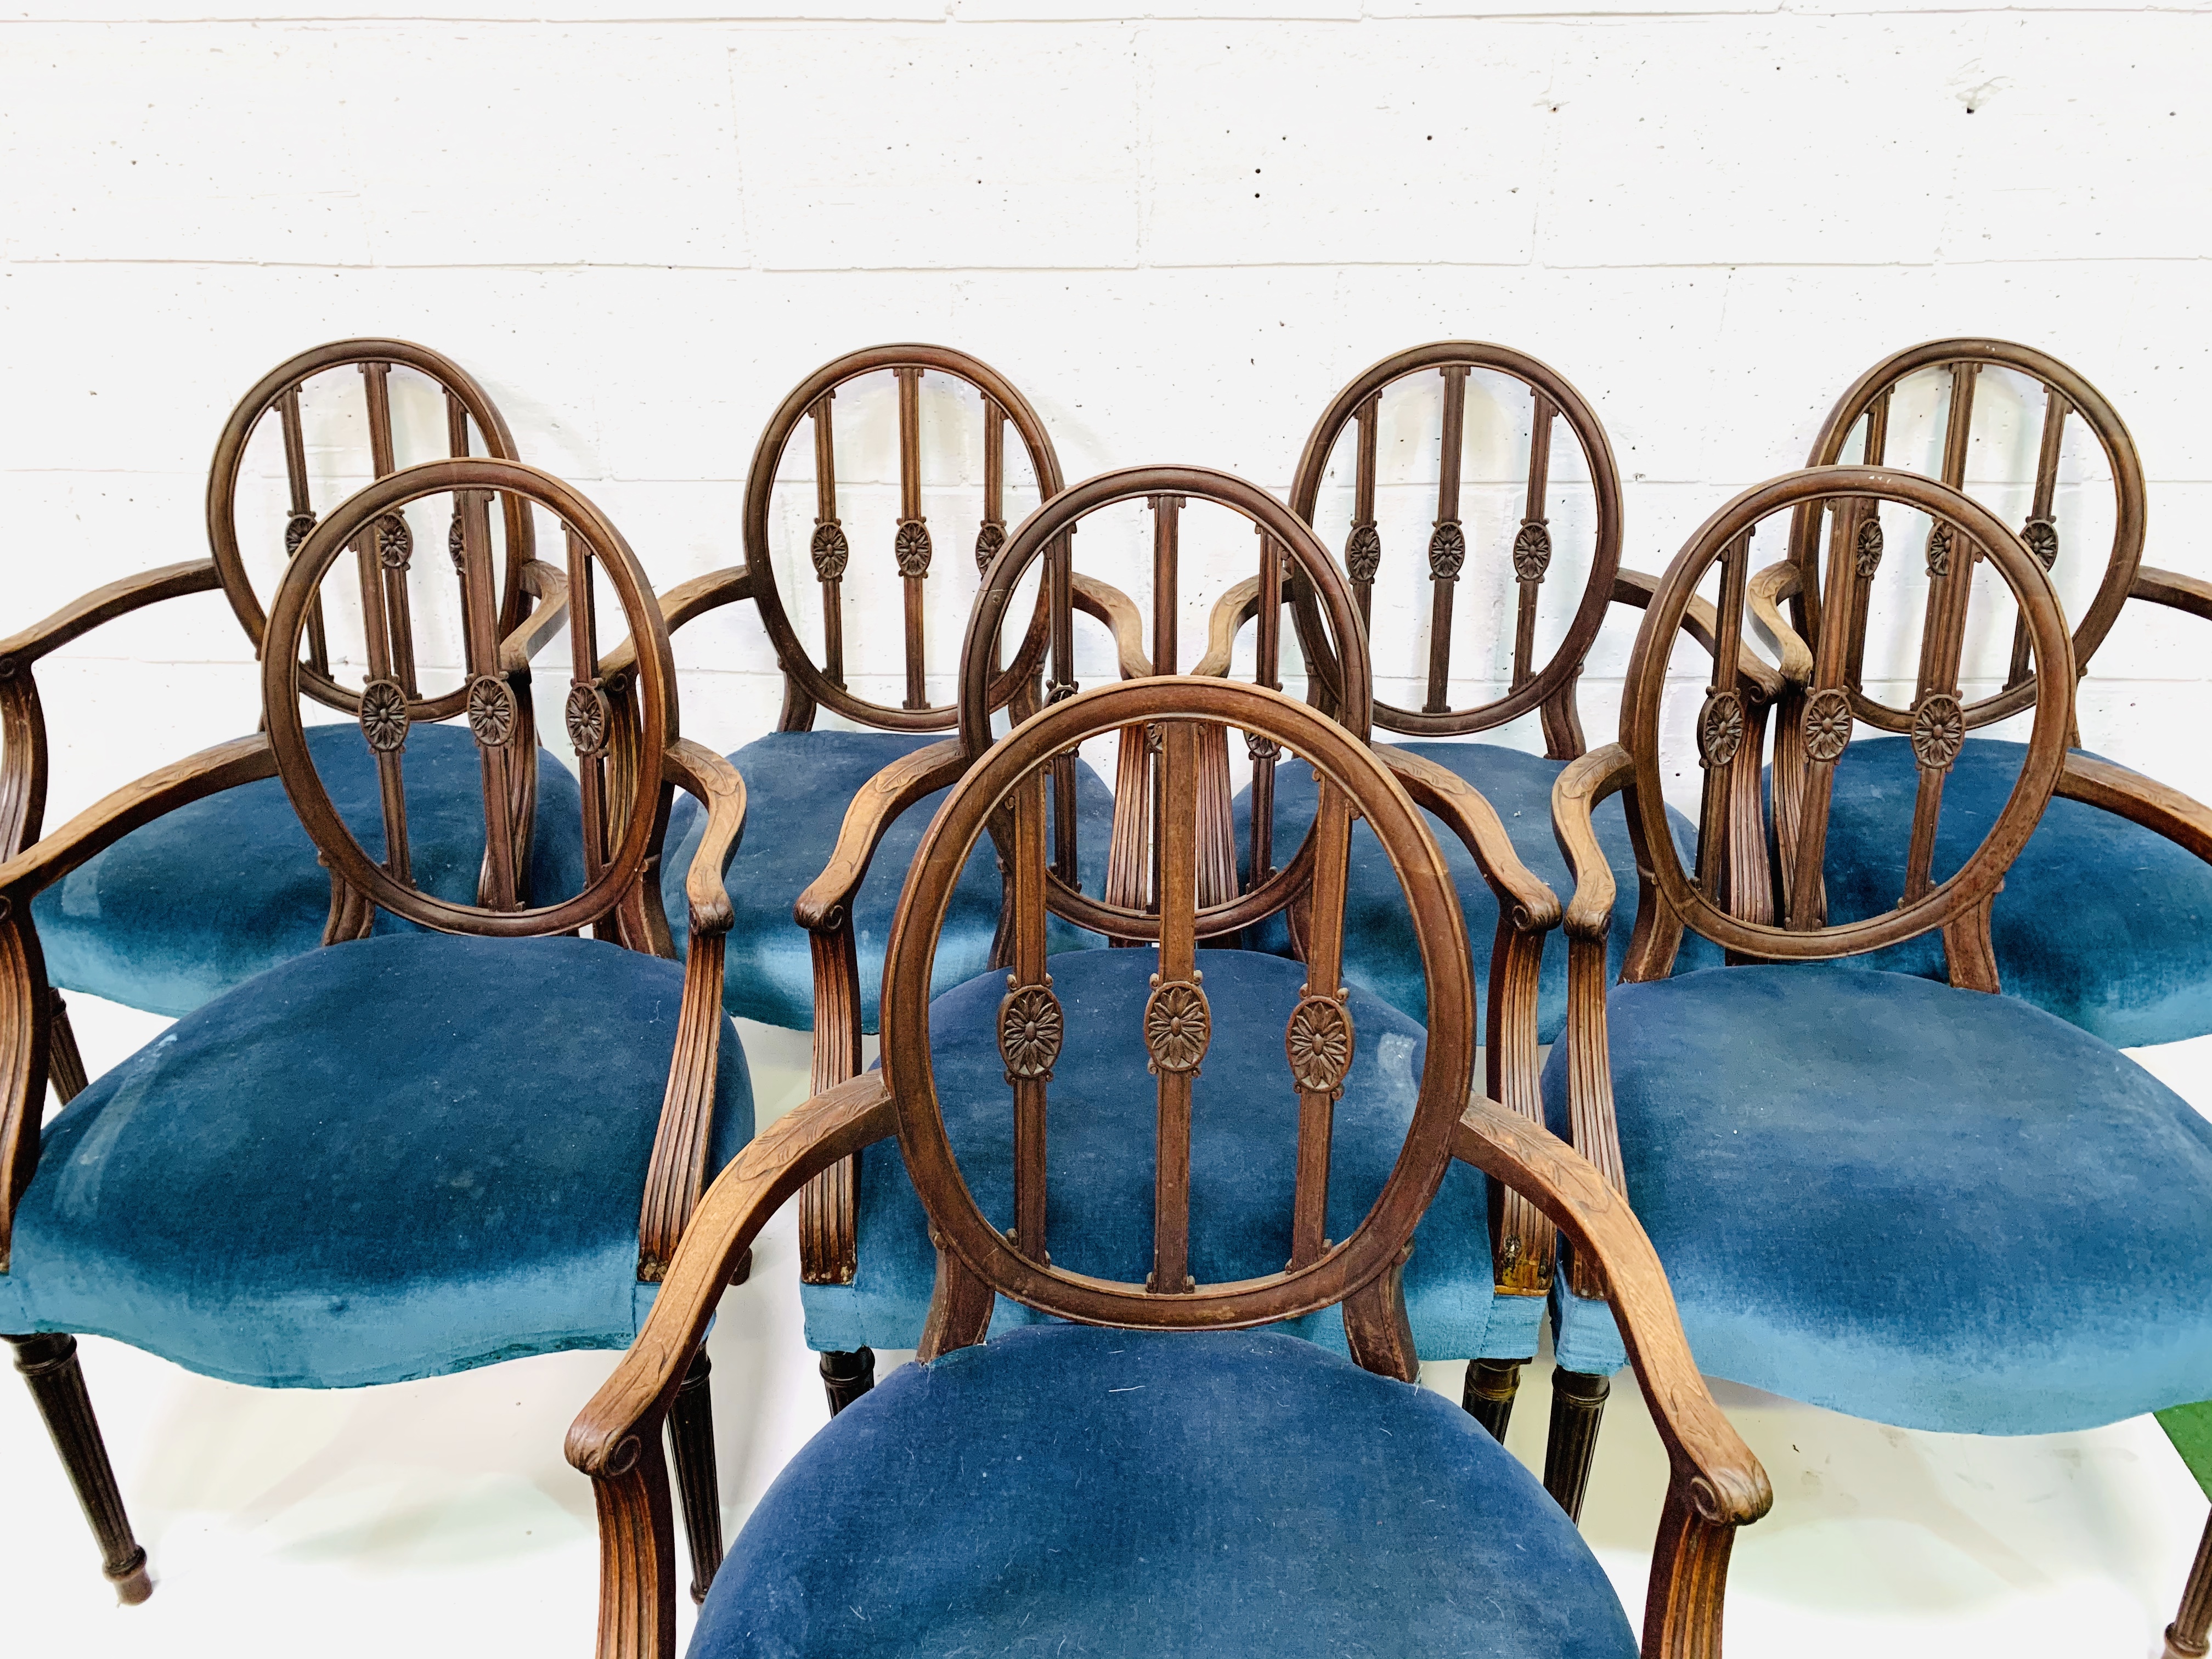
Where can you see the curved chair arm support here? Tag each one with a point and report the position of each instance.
(1765, 593)
(1575, 796)
(1230, 612)
(549, 583)
(1476, 823)
(2178, 818)
(682, 604)
(1717, 1484)
(677, 1173)
(828, 900)
(2171, 587)
(1634, 588)
(26, 1004)
(1110, 606)
(616, 1440)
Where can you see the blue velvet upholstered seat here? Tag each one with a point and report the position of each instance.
(387, 1159)
(210, 895)
(1143, 1494)
(1099, 1137)
(798, 785)
(1379, 953)
(1925, 1207)
(2105, 924)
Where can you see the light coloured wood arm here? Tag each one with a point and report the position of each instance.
(680, 605)
(1636, 588)
(104, 604)
(2171, 587)
(1765, 595)
(551, 584)
(1717, 1484)
(2180, 818)
(678, 1172)
(1230, 612)
(1110, 606)
(616, 1440)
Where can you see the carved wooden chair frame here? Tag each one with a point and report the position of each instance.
(623, 832)
(1716, 1485)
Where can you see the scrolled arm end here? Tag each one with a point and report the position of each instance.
(1523, 897)
(1575, 798)
(715, 782)
(827, 901)
(1767, 589)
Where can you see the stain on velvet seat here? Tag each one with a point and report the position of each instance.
(1379, 952)
(1099, 1139)
(1136, 1494)
(392, 1158)
(1925, 1207)
(797, 786)
(206, 896)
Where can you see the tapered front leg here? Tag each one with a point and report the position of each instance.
(691, 1437)
(1578, 1412)
(846, 1377)
(2186, 1638)
(49, 1364)
(1488, 1396)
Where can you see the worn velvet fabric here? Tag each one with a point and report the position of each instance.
(1380, 954)
(1921, 1205)
(382, 1160)
(1109, 1494)
(205, 897)
(2104, 923)
(798, 785)
(1100, 1137)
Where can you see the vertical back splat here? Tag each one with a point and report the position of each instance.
(1319, 1038)
(913, 542)
(1261, 749)
(1721, 724)
(1178, 1023)
(1447, 542)
(1362, 548)
(2040, 533)
(1532, 544)
(302, 520)
(588, 714)
(829, 547)
(394, 541)
(1030, 1025)
(494, 717)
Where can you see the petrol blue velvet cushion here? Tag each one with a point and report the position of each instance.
(798, 785)
(1379, 951)
(1142, 1494)
(382, 1160)
(2104, 923)
(1921, 1205)
(205, 897)
(1099, 1161)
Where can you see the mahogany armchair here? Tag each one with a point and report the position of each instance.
(402, 1154)
(2128, 961)
(201, 899)
(1140, 1472)
(1485, 1255)
(1920, 1203)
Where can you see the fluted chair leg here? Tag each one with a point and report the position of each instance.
(1488, 1396)
(2186, 1638)
(49, 1364)
(846, 1377)
(1577, 1410)
(691, 1437)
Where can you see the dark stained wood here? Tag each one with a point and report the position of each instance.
(49, 1364)
(691, 1444)
(1577, 1410)
(1487, 1396)
(847, 1375)
(2186, 1636)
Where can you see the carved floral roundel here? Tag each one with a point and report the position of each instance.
(1178, 1026)
(384, 716)
(1827, 724)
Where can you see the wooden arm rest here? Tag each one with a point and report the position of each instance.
(104, 604)
(1123, 620)
(2172, 587)
(1728, 1487)
(1230, 612)
(551, 584)
(1634, 588)
(2142, 800)
(680, 606)
(719, 789)
(827, 903)
(1768, 588)
(1586, 782)
(1522, 895)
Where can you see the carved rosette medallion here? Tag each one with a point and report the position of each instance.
(1059, 691)
(456, 542)
(297, 528)
(587, 717)
(1939, 730)
(913, 548)
(1030, 1030)
(384, 716)
(1939, 550)
(1178, 1024)
(989, 540)
(491, 711)
(1867, 554)
(1261, 747)
(1720, 728)
(829, 551)
(1447, 551)
(1827, 724)
(395, 542)
(2042, 539)
(1319, 1041)
(1532, 551)
(1363, 552)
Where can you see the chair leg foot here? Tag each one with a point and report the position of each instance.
(1488, 1396)
(1578, 1410)
(2186, 1638)
(846, 1377)
(49, 1364)
(691, 1437)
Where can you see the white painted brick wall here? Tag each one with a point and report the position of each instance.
(1178, 233)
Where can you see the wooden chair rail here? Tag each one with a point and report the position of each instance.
(1701, 622)
(827, 903)
(104, 604)
(2180, 819)
(2171, 587)
(681, 604)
